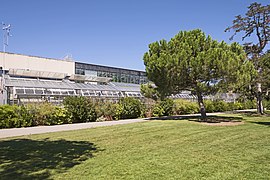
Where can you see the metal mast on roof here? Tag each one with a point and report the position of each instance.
(6, 34)
(6, 28)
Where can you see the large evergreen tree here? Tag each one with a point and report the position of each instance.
(265, 74)
(255, 23)
(193, 61)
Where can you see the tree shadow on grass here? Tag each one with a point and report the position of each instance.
(253, 114)
(261, 123)
(35, 159)
(197, 118)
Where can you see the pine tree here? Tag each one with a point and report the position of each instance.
(255, 22)
(195, 62)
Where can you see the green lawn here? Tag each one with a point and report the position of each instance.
(169, 149)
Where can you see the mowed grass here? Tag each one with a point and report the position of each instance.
(169, 149)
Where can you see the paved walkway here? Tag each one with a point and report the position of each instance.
(4, 133)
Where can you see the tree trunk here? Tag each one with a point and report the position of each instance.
(259, 99)
(201, 106)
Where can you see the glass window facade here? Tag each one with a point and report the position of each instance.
(117, 74)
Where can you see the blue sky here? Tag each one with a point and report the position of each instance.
(114, 33)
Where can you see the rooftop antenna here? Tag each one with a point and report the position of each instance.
(6, 28)
(6, 34)
(68, 57)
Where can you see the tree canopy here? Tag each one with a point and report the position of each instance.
(193, 61)
(265, 62)
(256, 22)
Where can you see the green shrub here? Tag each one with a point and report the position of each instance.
(106, 110)
(158, 111)
(266, 104)
(235, 106)
(230, 106)
(249, 104)
(148, 110)
(209, 106)
(217, 106)
(42, 113)
(182, 106)
(14, 116)
(9, 116)
(163, 108)
(129, 108)
(220, 106)
(167, 106)
(118, 111)
(59, 115)
(238, 106)
(80, 109)
(48, 114)
(25, 116)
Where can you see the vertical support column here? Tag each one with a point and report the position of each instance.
(3, 90)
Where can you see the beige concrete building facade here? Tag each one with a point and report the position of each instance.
(17, 61)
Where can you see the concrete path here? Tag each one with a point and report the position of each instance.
(4, 133)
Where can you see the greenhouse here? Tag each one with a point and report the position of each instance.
(21, 90)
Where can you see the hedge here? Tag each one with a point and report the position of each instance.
(82, 109)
